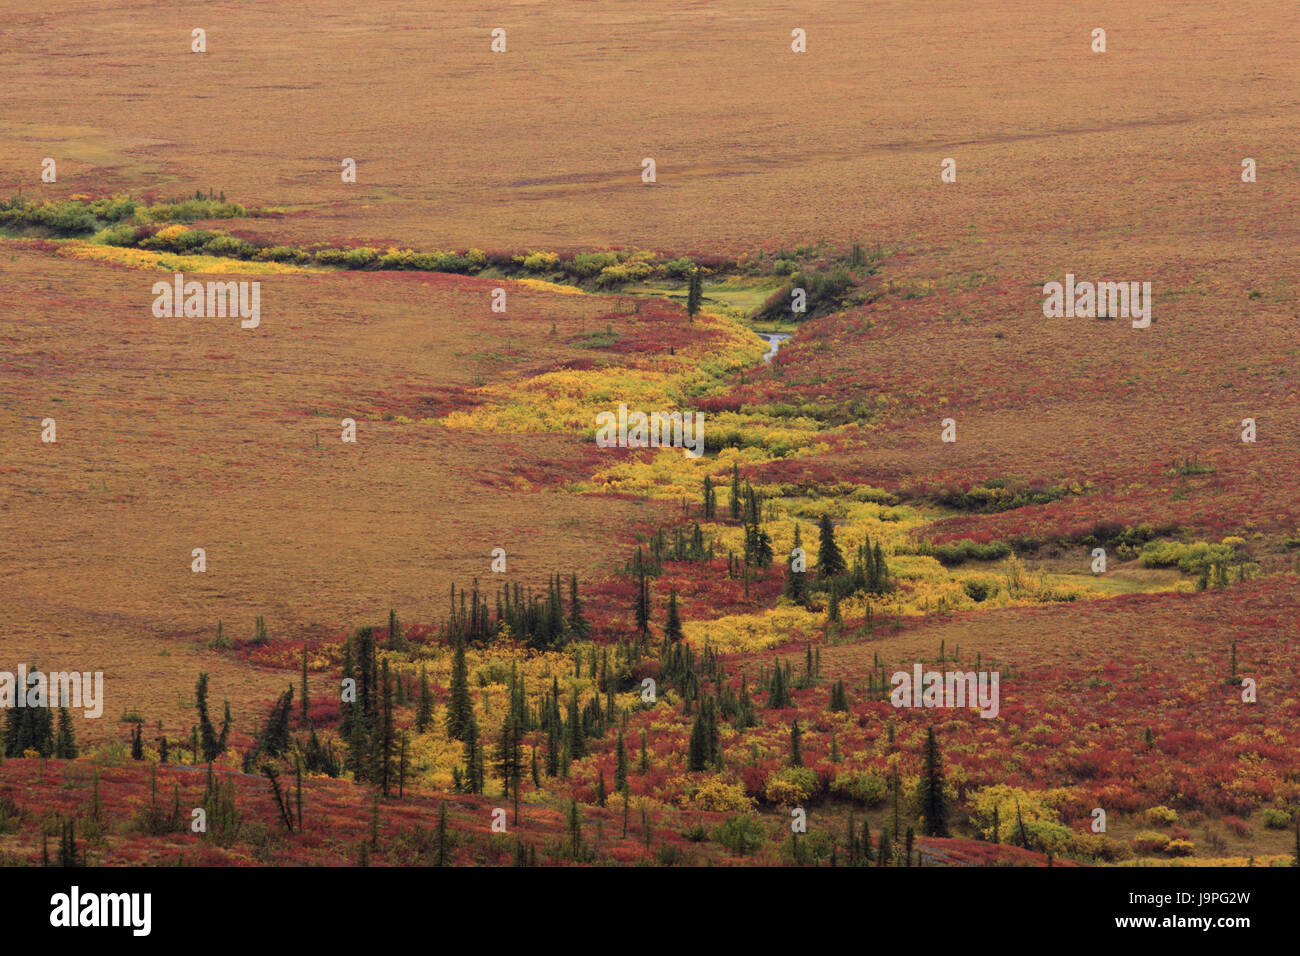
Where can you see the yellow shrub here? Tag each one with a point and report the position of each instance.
(173, 262)
(1033, 805)
(540, 261)
(717, 795)
(790, 787)
(172, 232)
(1161, 816)
(541, 285)
(752, 632)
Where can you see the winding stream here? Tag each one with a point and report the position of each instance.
(774, 341)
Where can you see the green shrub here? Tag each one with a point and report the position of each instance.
(1189, 558)
(1274, 819)
(232, 247)
(823, 293)
(669, 854)
(1098, 847)
(282, 254)
(360, 258)
(697, 833)
(999, 495)
(680, 268)
(957, 552)
(397, 259)
(10, 814)
(868, 789)
(791, 786)
(741, 834)
(114, 209)
(1150, 841)
(331, 257)
(193, 239)
(65, 218)
(623, 273)
(587, 265)
(190, 210)
(123, 234)
(1047, 836)
(539, 261)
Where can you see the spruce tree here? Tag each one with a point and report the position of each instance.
(460, 706)
(395, 639)
(29, 727)
(273, 740)
(641, 604)
(347, 709)
(65, 744)
(896, 789)
(386, 732)
(424, 710)
(304, 700)
(576, 624)
(442, 835)
(552, 748)
(673, 624)
(473, 757)
(778, 695)
(575, 829)
(213, 743)
(881, 571)
(830, 561)
(697, 751)
(694, 292)
(745, 716)
(68, 855)
(620, 764)
(933, 801)
(839, 699)
(1020, 826)
(794, 580)
(576, 738)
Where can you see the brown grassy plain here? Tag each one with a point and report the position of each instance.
(1060, 151)
(177, 436)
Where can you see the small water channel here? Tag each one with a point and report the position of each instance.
(774, 341)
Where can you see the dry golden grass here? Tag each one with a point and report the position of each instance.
(1057, 147)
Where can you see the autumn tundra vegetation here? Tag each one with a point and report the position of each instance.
(366, 588)
(726, 693)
